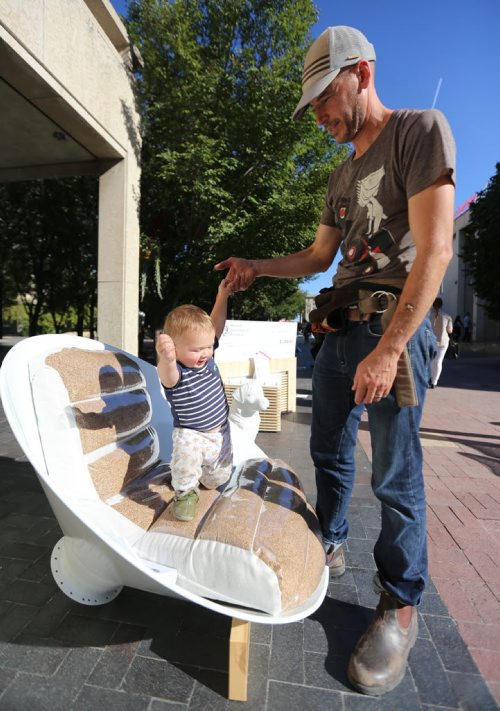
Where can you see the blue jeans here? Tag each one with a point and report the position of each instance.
(397, 479)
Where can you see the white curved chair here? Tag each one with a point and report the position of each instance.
(95, 425)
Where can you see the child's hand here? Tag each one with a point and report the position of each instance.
(224, 289)
(165, 348)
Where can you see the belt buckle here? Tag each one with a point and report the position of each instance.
(384, 300)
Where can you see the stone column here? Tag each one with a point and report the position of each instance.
(118, 256)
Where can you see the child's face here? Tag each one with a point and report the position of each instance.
(194, 348)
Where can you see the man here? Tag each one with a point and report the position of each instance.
(390, 206)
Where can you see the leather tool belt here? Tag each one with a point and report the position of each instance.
(369, 298)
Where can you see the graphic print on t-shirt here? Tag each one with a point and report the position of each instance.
(370, 248)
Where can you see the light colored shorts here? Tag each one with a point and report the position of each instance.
(201, 457)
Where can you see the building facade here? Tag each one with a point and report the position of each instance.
(68, 108)
(457, 292)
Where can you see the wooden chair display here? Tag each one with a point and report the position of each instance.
(95, 425)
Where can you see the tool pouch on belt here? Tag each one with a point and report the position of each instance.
(331, 305)
(404, 383)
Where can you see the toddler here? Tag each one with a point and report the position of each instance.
(202, 451)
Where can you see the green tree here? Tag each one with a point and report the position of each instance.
(481, 249)
(225, 170)
(48, 234)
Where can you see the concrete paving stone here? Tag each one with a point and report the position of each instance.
(432, 604)
(450, 645)
(10, 569)
(361, 559)
(158, 678)
(92, 697)
(346, 579)
(404, 696)
(429, 675)
(471, 692)
(335, 614)
(291, 697)
(315, 636)
(326, 673)
(359, 545)
(344, 593)
(261, 634)
(203, 697)
(200, 620)
(24, 551)
(56, 693)
(14, 619)
(78, 629)
(49, 616)
(287, 653)
(423, 630)
(32, 655)
(137, 607)
(39, 571)
(203, 650)
(364, 582)
(6, 677)
(28, 502)
(117, 657)
(28, 592)
(372, 532)
(356, 530)
(18, 521)
(159, 705)
(359, 702)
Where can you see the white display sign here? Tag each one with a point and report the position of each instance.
(243, 339)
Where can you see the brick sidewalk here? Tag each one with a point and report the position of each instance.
(460, 435)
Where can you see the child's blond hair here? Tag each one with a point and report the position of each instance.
(187, 318)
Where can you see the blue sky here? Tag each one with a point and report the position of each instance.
(421, 45)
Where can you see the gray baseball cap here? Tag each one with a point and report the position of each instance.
(335, 48)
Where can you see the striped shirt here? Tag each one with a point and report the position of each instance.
(198, 400)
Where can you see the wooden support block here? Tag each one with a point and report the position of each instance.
(239, 647)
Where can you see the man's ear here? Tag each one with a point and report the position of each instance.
(364, 73)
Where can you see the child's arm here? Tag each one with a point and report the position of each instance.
(219, 311)
(167, 363)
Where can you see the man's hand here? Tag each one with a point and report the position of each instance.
(241, 274)
(374, 377)
(165, 348)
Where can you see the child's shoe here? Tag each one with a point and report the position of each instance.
(185, 505)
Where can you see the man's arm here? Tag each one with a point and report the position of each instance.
(431, 223)
(219, 311)
(316, 258)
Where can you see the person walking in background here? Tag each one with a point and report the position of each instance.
(389, 208)
(457, 328)
(467, 327)
(442, 326)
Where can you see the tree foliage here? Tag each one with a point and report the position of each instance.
(225, 170)
(481, 250)
(48, 238)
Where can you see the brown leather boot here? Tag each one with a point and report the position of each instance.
(378, 663)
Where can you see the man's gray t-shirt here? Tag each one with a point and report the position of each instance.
(367, 198)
